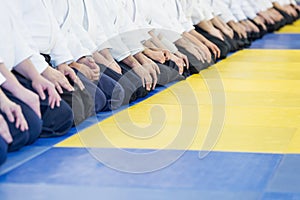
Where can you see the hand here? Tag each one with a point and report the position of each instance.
(40, 84)
(4, 133)
(85, 70)
(214, 48)
(204, 51)
(68, 71)
(31, 99)
(184, 58)
(58, 79)
(153, 69)
(13, 112)
(158, 56)
(90, 62)
(239, 30)
(192, 49)
(167, 54)
(217, 33)
(258, 20)
(179, 62)
(144, 75)
(228, 31)
(115, 67)
(253, 27)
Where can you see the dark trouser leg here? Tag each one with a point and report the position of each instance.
(289, 19)
(124, 81)
(234, 46)
(262, 32)
(222, 45)
(57, 121)
(3, 150)
(21, 139)
(168, 73)
(140, 91)
(113, 91)
(98, 99)
(195, 65)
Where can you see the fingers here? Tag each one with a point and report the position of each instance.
(21, 122)
(156, 68)
(78, 82)
(9, 114)
(54, 98)
(186, 60)
(40, 92)
(74, 77)
(154, 79)
(59, 89)
(148, 86)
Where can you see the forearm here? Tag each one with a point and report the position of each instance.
(205, 25)
(131, 62)
(141, 58)
(27, 69)
(198, 36)
(182, 42)
(156, 41)
(219, 24)
(193, 39)
(149, 44)
(3, 98)
(100, 59)
(107, 55)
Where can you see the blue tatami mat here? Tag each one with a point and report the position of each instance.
(278, 41)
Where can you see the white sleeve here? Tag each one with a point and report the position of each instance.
(248, 10)
(119, 50)
(60, 53)
(237, 10)
(207, 10)
(38, 61)
(84, 37)
(186, 23)
(129, 32)
(2, 79)
(76, 48)
(100, 38)
(226, 14)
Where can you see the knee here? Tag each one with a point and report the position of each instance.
(65, 114)
(3, 150)
(35, 125)
(57, 121)
(100, 100)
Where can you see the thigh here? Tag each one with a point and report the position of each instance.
(140, 91)
(20, 138)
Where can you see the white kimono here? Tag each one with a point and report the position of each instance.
(136, 14)
(13, 48)
(44, 29)
(119, 27)
(235, 7)
(64, 15)
(168, 26)
(248, 9)
(223, 6)
(2, 79)
(197, 10)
